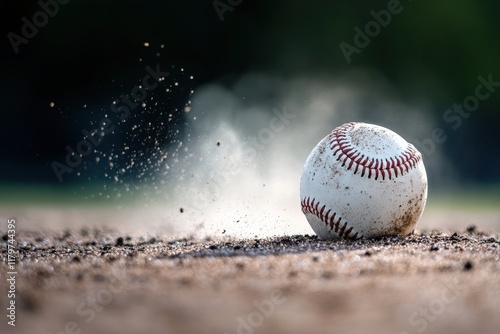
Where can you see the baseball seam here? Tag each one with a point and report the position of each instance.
(331, 219)
(350, 156)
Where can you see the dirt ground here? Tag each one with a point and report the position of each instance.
(95, 280)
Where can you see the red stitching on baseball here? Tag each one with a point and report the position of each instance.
(391, 167)
(313, 207)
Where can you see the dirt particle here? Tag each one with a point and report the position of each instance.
(218, 143)
(119, 241)
(184, 281)
(111, 258)
(66, 235)
(99, 278)
(434, 248)
(105, 248)
(315, 259)
(29, 302)
(471, 228)
(181, 210)
(468, 266)
(327, 275)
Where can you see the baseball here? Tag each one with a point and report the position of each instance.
(363, 181)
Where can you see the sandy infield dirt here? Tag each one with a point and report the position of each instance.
(95, 280)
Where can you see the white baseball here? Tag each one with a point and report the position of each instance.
(363, 181)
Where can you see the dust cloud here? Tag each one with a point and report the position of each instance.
(237, 171)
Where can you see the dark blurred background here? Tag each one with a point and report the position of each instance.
(90, 52)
